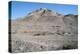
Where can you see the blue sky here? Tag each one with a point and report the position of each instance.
(20, 9)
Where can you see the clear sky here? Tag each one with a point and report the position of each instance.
(20, 9)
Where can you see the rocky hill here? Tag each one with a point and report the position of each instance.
(43, 30)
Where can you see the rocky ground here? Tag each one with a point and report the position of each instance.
(44, 30)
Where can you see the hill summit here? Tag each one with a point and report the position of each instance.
(44, 11)
(42, 15)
